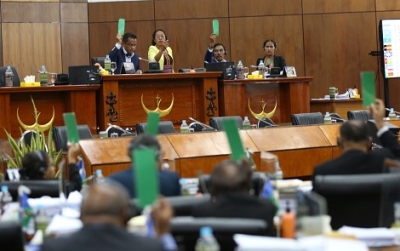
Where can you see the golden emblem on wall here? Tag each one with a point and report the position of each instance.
(262, 115)
(36, 126)
(158, 110)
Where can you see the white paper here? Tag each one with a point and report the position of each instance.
(61, 225)
(373, 237)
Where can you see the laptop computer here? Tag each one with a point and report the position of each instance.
(275, 72)
(227, 69)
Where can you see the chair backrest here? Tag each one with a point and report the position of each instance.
(11, 237)
(99, 60)
(216, 122)
(163, 127)
(186, 230)
(257, 183)
(16, 81)
(60, 136)
(362, 115)
(361, 200)
(38, 188)
(307, 118)
(114, 131)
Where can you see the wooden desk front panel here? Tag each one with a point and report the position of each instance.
(80, 99)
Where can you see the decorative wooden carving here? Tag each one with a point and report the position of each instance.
(111, 100)
(211, 106)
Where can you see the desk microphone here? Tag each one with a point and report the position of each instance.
(264, 121)
(337, 117)
(202, 124)
(397, 113)
(144, 59)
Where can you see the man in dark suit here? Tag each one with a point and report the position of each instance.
(104, 214)
(230, 185)
(168, 181)
(215, 53)
(355, 143)
(124, 55)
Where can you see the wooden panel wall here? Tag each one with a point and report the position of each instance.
(328, 41)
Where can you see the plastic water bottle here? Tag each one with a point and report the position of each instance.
(327, 118)
(99, 176)
(246, 123)
(184, 127)
(6, 198)
(107, 63)
(42, 220)
(261, 69)
(43, 76)
(239, 70)
(207, 241)
(278, 171)
(392, 114)
(9, 77)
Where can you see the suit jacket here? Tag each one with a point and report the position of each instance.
(279, 61)
(358, 162)
(101, 238)
(168, 182)
(118, 56)
(239, 205)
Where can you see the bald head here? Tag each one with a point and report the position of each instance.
(230, 176)
(107, 202)
(354, 135)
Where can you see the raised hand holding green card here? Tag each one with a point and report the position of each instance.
(215, 24)
(152, 123)
(235, 142)
(72, 129)
(368, 87)
(121, 26)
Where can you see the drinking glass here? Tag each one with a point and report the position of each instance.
(113, 67)
(245, 71)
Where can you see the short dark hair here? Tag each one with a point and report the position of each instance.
(144, 141)
(219, 44)
(127, 36)
(154, 36)
(354, 130)
(34, 165)
(230, 176)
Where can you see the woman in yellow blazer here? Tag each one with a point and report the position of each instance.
(159, 51)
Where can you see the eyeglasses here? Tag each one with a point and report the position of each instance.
(131, 45)
(160, 36)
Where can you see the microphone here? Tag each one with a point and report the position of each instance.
(117, 127)
(260, 121)
(144, 59)
(337, 117)
(397, 113)
(202, 124)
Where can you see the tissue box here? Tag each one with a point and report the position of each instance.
(33, 84)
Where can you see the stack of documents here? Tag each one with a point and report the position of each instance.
(372, 237)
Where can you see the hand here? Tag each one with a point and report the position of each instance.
(119, 38)
(73, 152)
(213, 37)
(161, 214)
(138, 72)
(378, 113)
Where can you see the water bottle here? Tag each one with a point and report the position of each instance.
(327, 118)
(107, 63)
(392, 114)
(207, 241)
(246, 123)
(239, 70)
(261, 69)
(99, 176)
(278, 171)
(43, 75)
(9, 77)
(184, 127)
(42, 220)
(6, 198)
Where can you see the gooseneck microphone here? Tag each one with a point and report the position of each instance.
(202, 124)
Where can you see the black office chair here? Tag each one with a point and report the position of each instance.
(163, 127)
(114, 131)
(38, 188)
(337, 117)
(363, 200)
(362, 115)
(267, 122)
(11, 237)
(99, 60)
(60, 136)
(16, 81)
(307, 118)
(186, 230)
(216, 122)
(257, 183)
(28, 136)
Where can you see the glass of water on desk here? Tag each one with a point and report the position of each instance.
(245, 72)
(113, 67)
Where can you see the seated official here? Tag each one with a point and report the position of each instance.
(270, 59)
(230, 197)
(124, 54)
(216, 52)
(159, 51)
(355, 144)
(37, 165)
(104, 213)
(168, 181)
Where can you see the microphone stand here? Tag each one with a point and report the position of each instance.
(206, 127)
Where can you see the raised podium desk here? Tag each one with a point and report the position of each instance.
(339, 106)
(292, 96)
(194, 94)
(80, 99)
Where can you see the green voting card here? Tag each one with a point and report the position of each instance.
(152, 123)
(215, 24)
(72, 129)
(235, 142)
(121, 26)
(145, 175)
(368, 87)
